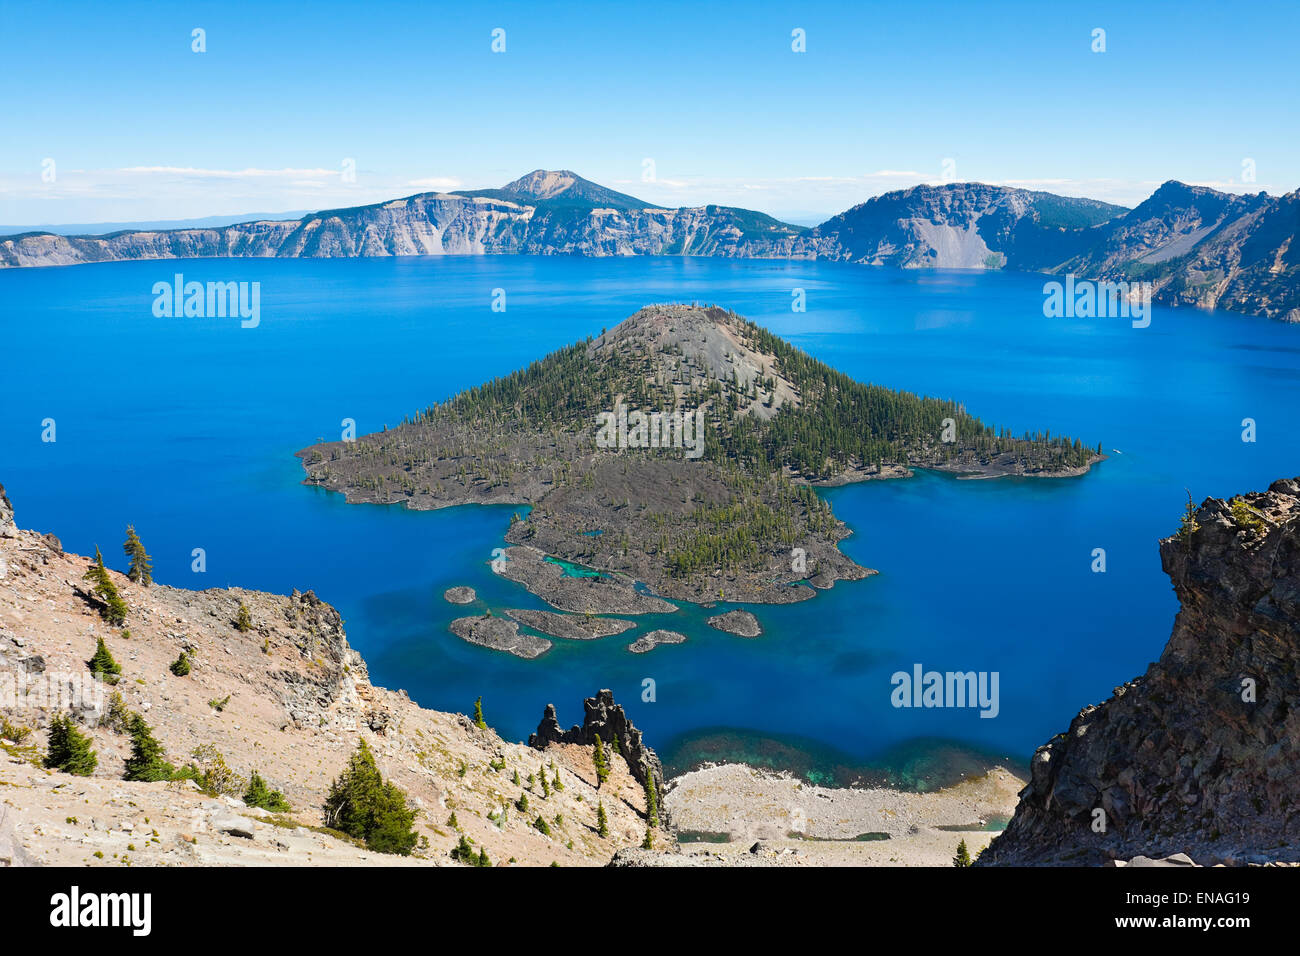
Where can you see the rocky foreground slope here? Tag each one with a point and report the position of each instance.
(288, 698)
(1195, 246)
(1200, 755)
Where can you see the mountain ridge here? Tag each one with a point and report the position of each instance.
(1195, 246)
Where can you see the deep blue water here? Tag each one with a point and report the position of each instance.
(187, 428)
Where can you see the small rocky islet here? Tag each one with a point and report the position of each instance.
(648, 642)
(499, 634)
(738, 622)
(573, 627)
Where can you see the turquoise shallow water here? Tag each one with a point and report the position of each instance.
(186, 428)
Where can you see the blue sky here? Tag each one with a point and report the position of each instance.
(140, 127)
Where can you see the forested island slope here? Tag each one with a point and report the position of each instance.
(728, 513)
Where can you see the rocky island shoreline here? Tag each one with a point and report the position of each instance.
(722, 509)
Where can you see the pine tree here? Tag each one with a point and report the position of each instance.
(69, 749)
(651, 801)
(478, 714)
(243, 620)
(147, 756)
(366, 808)
(963, 855)
(102, 663)
(141, 571)
(546, 786)
(602, 822)
(556, 784)
(181, 666)
(113, 609)
(1187, 524)
(649, 842)
(259, 794)
(462, 852)
(602, 763)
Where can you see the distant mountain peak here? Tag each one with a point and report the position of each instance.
(566, 186)
(545, 183)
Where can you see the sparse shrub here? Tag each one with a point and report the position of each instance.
(1246, 517)
(543, 826)
(69, 750)
(462, 852)
(211, 772)
(963, 855)
(259, 794)
(243, 620)
(522, 803)
(601, 762)
(116, 717)
(112, 608)
(102, 664)
(361, 804)
(602, 821)
(181, 666)
(1187, 524)
(15, 732)
(651, 801)
(219, 705)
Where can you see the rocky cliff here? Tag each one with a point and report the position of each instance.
(1194, 245)
(544, 213)
(1199, 755)
(1202, 248)
(604, 719)
(962, 226)
(286, 697)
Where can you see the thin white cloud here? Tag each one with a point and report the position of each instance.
(251, 173)
(436, 183)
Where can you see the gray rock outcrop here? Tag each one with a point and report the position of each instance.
(1199, 755)
(605, 719)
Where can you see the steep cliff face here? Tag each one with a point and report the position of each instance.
(963, 226)
(604, 719)
(288, 698)
(1195, 246)
(544, 213)
(1199, 755)
(1208, 249)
